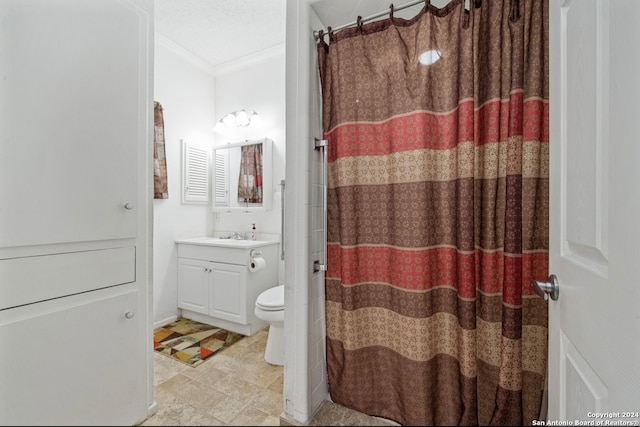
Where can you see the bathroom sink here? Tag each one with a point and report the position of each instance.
(229, 243)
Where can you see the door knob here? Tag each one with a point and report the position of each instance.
(549, 288)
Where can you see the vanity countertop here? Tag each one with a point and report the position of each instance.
(228, 243)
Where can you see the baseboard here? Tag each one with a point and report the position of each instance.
(165, 321)
(153, 408)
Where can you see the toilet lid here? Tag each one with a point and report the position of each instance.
(272, 298)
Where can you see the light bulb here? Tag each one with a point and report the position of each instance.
(255, 119)
(219, 127)
(242, 118)
(229, 120)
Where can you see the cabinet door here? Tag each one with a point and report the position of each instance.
(73, 361)
(74, 105)
(227, 292)
(193, 288)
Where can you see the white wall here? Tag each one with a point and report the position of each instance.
(255, 82)
(185, 88)
(194, 96)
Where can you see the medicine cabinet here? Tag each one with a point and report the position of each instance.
(242, 176)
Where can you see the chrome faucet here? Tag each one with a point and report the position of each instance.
(237, 236)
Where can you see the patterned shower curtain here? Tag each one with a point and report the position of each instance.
(438, 214)
(250, 179)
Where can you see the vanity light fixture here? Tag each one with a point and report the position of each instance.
(238, 118)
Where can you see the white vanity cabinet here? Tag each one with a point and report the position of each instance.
(193, 284)
(216, 286)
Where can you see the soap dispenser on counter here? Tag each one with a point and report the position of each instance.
(252, 233)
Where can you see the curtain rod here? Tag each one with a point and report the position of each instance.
(316, 34)
(370, 17)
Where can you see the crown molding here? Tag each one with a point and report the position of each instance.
(188, 56)
(221, 69)
(248, 60)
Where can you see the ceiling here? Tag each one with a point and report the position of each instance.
(220, 31)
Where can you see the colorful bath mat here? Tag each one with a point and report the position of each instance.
(192, 342)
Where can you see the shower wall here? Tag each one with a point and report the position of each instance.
(305, 380)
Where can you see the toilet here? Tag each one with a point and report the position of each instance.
(270, 307)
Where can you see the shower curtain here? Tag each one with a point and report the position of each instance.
(250, 179)
(438, 213)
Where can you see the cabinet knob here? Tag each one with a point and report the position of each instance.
(129, 314)
(128, 206)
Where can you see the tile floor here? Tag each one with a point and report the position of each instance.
(234, 387)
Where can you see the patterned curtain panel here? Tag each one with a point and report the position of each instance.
(160, 187)
(438, 214)
(250, 180)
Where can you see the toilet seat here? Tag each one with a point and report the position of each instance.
(271, 299)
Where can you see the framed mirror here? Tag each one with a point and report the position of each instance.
(242, 176)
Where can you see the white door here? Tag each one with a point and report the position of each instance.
(73, 361)
(193, 285)
(73, 77)
(228, 292)
(594, 325)
(76, 114)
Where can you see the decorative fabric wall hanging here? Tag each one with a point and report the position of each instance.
(160, 186)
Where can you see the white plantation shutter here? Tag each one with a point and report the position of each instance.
(221, 178)
(195, 175)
